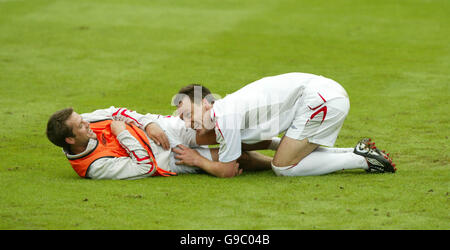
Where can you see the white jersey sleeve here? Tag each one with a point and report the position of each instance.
(120, 168)
(139, 164)
(121, 114)
(228, 135)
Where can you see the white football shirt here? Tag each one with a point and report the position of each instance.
(259, 111)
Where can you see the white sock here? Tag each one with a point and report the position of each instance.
(334, 150)
(319, 163)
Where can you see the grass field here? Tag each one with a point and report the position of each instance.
(392, 56)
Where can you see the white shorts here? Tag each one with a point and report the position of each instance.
(320, 113)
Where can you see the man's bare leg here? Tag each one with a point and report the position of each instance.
(292, 151)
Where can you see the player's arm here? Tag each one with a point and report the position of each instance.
(147, 122)
(157, 134)
(262, 145)
(191, 157)
(118, 168)
(120, 114)
(226, 164)
(209, 138)
(139, 163)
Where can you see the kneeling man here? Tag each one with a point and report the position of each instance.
(310, 109)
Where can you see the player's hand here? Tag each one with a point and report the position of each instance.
(186, 156)
(155, 133)
(191, 157)
(121, 115)
(231, 169)
(117, 127)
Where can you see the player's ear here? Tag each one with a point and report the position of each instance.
(70, 140)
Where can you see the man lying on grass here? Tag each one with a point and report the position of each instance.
(117, 143)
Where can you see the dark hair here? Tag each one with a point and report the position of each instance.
(193, 91)
(57, 129)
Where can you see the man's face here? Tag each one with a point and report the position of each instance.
(80, 128)
(191, 113)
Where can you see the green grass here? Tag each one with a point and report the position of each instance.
(393, 58)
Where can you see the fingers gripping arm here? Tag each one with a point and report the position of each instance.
(191, 157)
